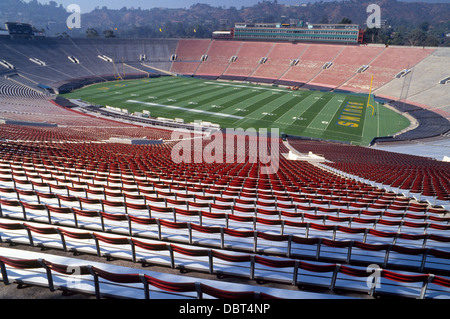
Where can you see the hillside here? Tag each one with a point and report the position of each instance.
(201, 19)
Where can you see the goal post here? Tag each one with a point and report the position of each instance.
(368, 98)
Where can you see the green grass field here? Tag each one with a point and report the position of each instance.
(334, 116)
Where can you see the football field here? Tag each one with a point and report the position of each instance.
(333, 116)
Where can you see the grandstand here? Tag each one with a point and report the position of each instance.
(313, 229)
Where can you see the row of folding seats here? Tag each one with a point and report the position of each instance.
(106, 281)
(250, 216)
(311, 177)
(384, 63)
(10, 88)
(95, 130)
(69, 181)
(211, 188)
(284, 270)
(342, 194)
(106, 184)
(414, 173)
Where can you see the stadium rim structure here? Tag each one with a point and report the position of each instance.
(57, 173)
(134, 67)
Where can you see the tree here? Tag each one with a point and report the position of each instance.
(424, 26)
(371, 35)
(398, 38)
(416, 37)
(109, 34)
(92, 33)
(269, 19)
(324, 19)
(345, 21)
(431, 41)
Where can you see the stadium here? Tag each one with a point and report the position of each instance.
(92, 201)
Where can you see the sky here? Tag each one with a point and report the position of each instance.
(89, 5)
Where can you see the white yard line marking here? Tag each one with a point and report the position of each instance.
(186, 109)
(337, 109)
(245, 86)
